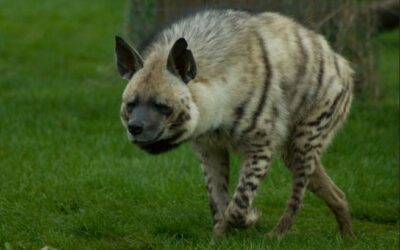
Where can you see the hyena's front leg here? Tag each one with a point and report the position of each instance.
(239, 212)
(215, 166)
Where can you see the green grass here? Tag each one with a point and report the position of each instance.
(70, 179)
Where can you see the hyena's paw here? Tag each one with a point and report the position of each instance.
(219, 231)
(348, 232)
(242, 218)
(275, 235)
(253, 216)
(278, 232)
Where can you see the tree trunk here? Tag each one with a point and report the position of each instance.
(385, 13)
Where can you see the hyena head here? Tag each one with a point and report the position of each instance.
(157, 108)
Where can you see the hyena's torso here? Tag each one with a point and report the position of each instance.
(262, 82)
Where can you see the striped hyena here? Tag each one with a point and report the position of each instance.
(252, 83)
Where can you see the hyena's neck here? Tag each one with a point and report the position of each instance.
(213, 102)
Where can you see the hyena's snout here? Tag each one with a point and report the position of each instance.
(136, 128)
(141, 133)
(144, 126)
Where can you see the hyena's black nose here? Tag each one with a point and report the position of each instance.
(135, 128)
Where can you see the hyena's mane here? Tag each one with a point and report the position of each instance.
(211, 35)
(153, 35)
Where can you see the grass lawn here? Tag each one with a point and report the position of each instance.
(70, 179)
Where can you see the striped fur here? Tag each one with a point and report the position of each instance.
(263, 83)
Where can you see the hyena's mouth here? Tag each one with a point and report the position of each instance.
(149, 142)
(160, 146)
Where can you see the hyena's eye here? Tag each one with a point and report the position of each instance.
(131, 105)
(163, 109)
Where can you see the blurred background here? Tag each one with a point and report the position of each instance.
(69, 178)
(349, 25)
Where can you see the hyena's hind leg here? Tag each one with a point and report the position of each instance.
(323, 186)
(215, 166)
(302, 156)
(317, 181)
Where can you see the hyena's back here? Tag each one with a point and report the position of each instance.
(288, 67)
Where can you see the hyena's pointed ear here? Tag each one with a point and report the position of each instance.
(181, 62)
(128, 59)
